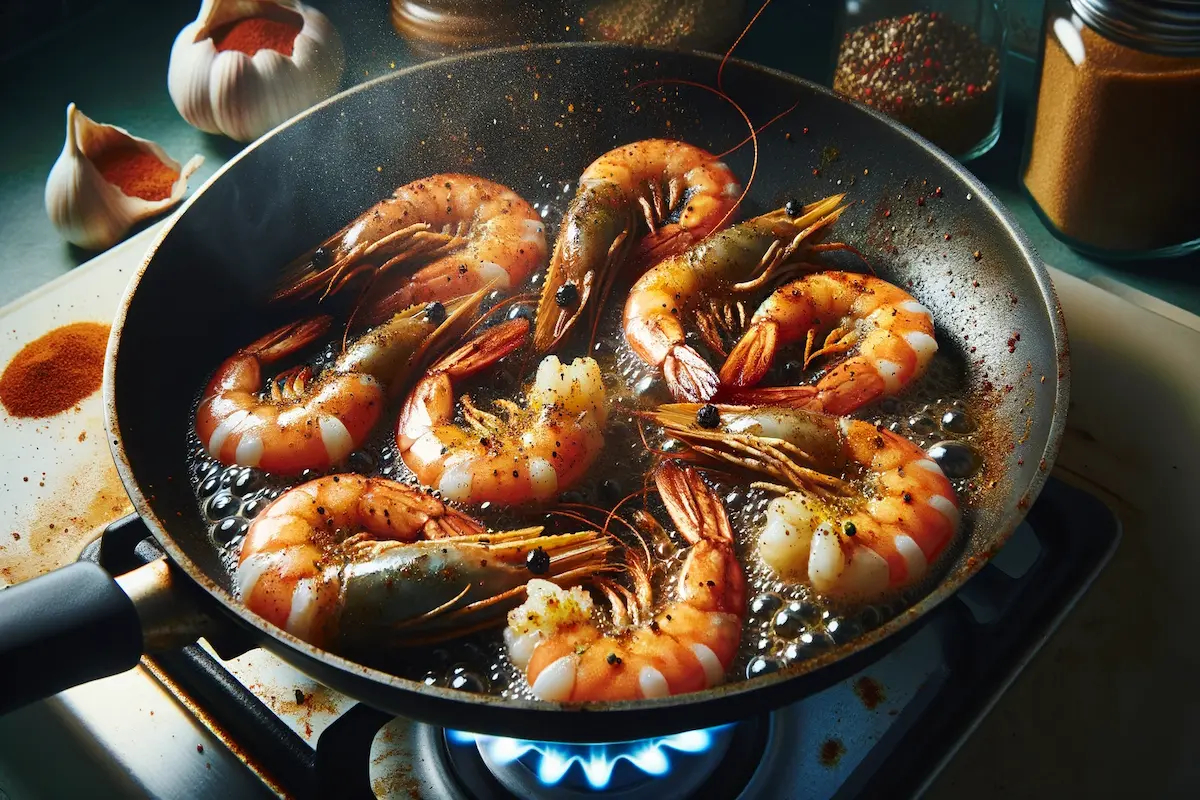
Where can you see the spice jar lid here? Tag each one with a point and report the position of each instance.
(1166, 27)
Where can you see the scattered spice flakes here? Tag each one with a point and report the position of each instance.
(83, 436)
(829, 154)
(832, 751)
(869, 691)
(977, 255)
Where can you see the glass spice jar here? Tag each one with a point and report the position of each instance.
(936, 67)
(933, 66)
(1111, 157)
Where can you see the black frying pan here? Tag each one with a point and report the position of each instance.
(507, 115)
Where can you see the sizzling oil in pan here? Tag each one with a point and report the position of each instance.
(785, 622)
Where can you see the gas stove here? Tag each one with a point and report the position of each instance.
(260, 728)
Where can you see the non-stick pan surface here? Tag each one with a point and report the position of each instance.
(533, 118)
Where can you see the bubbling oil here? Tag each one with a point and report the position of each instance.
(785, 623)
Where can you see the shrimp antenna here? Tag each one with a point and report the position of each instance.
(749, 124)
(620, 503)
(598, 510)
(736, 42)
(646, 444)
(761, 128)
(506, 302)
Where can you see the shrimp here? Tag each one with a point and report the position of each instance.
(732, 265)
(688, 646)
(465, 231)
(894, 334)
(862, 511)
(306, 424)
(682, 192)
(532, 454)
(345, 558)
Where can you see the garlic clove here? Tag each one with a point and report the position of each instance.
(87, 207)
(242, 87)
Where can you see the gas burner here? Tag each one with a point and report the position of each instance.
(664, 768)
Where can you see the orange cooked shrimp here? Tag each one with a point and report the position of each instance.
(533, 453)
(707, 286)
(680, 191)
(314, 424)
(345, 558)
(687, 647)
(860, 537)
(893, 332)
(465, 232)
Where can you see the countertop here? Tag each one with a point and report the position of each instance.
(1052, 734)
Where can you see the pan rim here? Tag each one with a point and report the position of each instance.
(726, 693)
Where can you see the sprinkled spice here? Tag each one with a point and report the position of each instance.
(136, 172)
(832, 751)
(252, 34)
(869, 692)
(56, 371)
(927, 71)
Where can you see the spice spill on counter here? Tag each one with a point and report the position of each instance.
(54, 372)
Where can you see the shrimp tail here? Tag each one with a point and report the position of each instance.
(289, 339)
(783, 396)
(692, 504)
(752, 356)
(461, 313)
(484, 350)
(688, 376)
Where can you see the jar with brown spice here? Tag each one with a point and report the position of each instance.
(936, 67)
(1111, 160)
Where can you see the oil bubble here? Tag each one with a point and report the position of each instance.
(957, 459)
(957, 421)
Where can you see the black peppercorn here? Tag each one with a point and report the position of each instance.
(436, 313)
(538, 561)
(567, 295)
(793, 207)
(708, 416)
(848, 528)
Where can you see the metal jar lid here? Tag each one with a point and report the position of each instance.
(1166, 27)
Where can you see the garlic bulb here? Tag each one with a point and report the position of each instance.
(106, 179)
(244, 66)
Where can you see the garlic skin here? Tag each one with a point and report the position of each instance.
(245, 96)
(85, 208)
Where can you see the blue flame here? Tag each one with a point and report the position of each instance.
(597, 761)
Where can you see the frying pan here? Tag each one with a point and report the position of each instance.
(532, 118)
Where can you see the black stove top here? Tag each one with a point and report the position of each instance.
(884, 732)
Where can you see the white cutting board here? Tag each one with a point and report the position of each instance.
(58, 485)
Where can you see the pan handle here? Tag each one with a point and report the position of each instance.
(78, 623)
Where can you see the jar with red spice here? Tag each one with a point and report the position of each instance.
(936, 67)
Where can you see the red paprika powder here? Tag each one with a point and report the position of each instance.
(136, 172)
(56, 371)
(249, 35)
